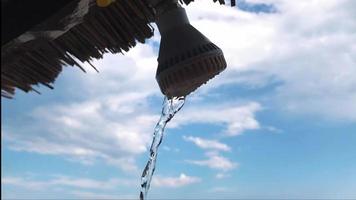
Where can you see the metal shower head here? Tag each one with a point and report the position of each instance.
(187, 59)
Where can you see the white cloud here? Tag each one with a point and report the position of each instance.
(207, 144)
(90, 188)
(215, 161)
(96, 195)
(236, 118)
(133, 72)
(182, 180)
(86, 132)
(18, 181)
(60, 181)
(307, 47)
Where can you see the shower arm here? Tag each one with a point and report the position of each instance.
(162, 6)
(168, 14)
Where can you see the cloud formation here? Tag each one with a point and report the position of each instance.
(215, 161)
(307, 47)
(237, 118)
(207, 144)
(173, 182)
(60, 181)
(86, 132)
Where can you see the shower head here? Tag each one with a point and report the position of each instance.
(187, 59)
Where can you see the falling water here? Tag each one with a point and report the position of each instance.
(169, 109)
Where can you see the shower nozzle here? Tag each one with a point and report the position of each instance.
(187, 59)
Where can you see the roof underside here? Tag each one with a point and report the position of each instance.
(79, 31)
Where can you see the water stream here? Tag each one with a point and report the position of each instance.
(169, 108)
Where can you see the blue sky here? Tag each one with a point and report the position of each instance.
(279, 122)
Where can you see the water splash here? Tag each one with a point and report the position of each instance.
(169, 109)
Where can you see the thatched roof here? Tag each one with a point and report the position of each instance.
(79, 31)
